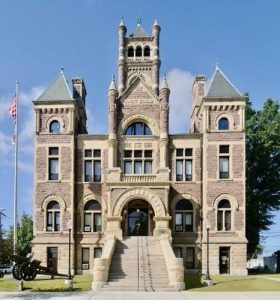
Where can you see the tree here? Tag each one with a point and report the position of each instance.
(25, 235)
(262, 170)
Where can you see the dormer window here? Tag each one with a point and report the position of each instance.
(54, 127)
(138, 128)
(223, 124)
(138, 51)
(147, 51)
(130, 52)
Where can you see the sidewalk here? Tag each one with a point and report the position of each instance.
(143, 296)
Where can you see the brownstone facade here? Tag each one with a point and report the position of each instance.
(180, 185)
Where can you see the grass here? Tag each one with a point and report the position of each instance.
(228, 283)
(193, 283)
(82, 283)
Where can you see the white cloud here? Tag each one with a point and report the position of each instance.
(180, 83)
(26, 128)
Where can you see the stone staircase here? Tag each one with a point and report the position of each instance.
(123, 273)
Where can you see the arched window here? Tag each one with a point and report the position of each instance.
(138, 128)
(147, 51)
(55, 127)
(92, 216)
(130, 52)
(184, 216)
(53, 216)
(223, 124)
(138, 51)
(224, 216)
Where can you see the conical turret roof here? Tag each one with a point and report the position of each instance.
(58, 90)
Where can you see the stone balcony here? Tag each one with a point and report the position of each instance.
(139, 178)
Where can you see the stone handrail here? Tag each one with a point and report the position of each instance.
(175, 266)
(101, 265)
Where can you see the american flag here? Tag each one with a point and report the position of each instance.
(13, 108)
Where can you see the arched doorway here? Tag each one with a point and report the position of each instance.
(138, 218)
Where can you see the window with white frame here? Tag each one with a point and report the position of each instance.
(138, 162)
(224, 215)
(224, 162)
(138, 128)
(85, 258)
(53, 216)
(92, 165)
(184, 220)
(92, 216)
(184, 164)
(53, 163)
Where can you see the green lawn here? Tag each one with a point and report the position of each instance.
(45, 284)
(193, 283)
(233, 283)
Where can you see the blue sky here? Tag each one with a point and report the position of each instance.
(38, 37)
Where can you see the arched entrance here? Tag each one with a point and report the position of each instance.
(138, 218)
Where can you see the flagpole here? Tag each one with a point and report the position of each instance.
(16, 170)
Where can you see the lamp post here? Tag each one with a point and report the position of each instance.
(137, 230)
(207, 279)
(69, 279)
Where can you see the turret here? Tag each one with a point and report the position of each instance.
(122, 33)
(155, 56)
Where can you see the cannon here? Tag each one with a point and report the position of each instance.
(27, 268)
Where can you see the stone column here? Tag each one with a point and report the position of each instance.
(155, 57)
(122, 33)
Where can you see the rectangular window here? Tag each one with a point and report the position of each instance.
(190, 258)
(85, 258)
(97, 222)
(87, 222)
(97, 170)
(57, 221)
(53, 151)
(188, 169)
(137, 167)
(189, 221)
(224, 167)
(148, 153)
(92, 166)
(224, 148)
(53, 168)
(97, 252)
(128, 167)
(228, 220)
(184, 164)
(179, 222)
(148, 167)
(128, 153)
(138, 153)
(49, 221)
(179, 170)
(220, 220)
(88, 171)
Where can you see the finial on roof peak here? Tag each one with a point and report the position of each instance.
(164, 84)
(139, 21)
(113, 84)
(122, 22)
(61, 70)
(217, 67)
(156, 23)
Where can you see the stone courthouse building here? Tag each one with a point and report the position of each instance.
(138, 178)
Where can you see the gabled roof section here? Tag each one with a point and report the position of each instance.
(58, 90)
(139, 31)
(133, 85)
(220, 86)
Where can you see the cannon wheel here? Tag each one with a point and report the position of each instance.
(15, 271)
(27, 272)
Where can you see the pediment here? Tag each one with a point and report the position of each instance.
(138, 92)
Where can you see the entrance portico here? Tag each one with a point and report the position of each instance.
(138, 204)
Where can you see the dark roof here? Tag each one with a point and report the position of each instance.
(220, 86)
(58, 90)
